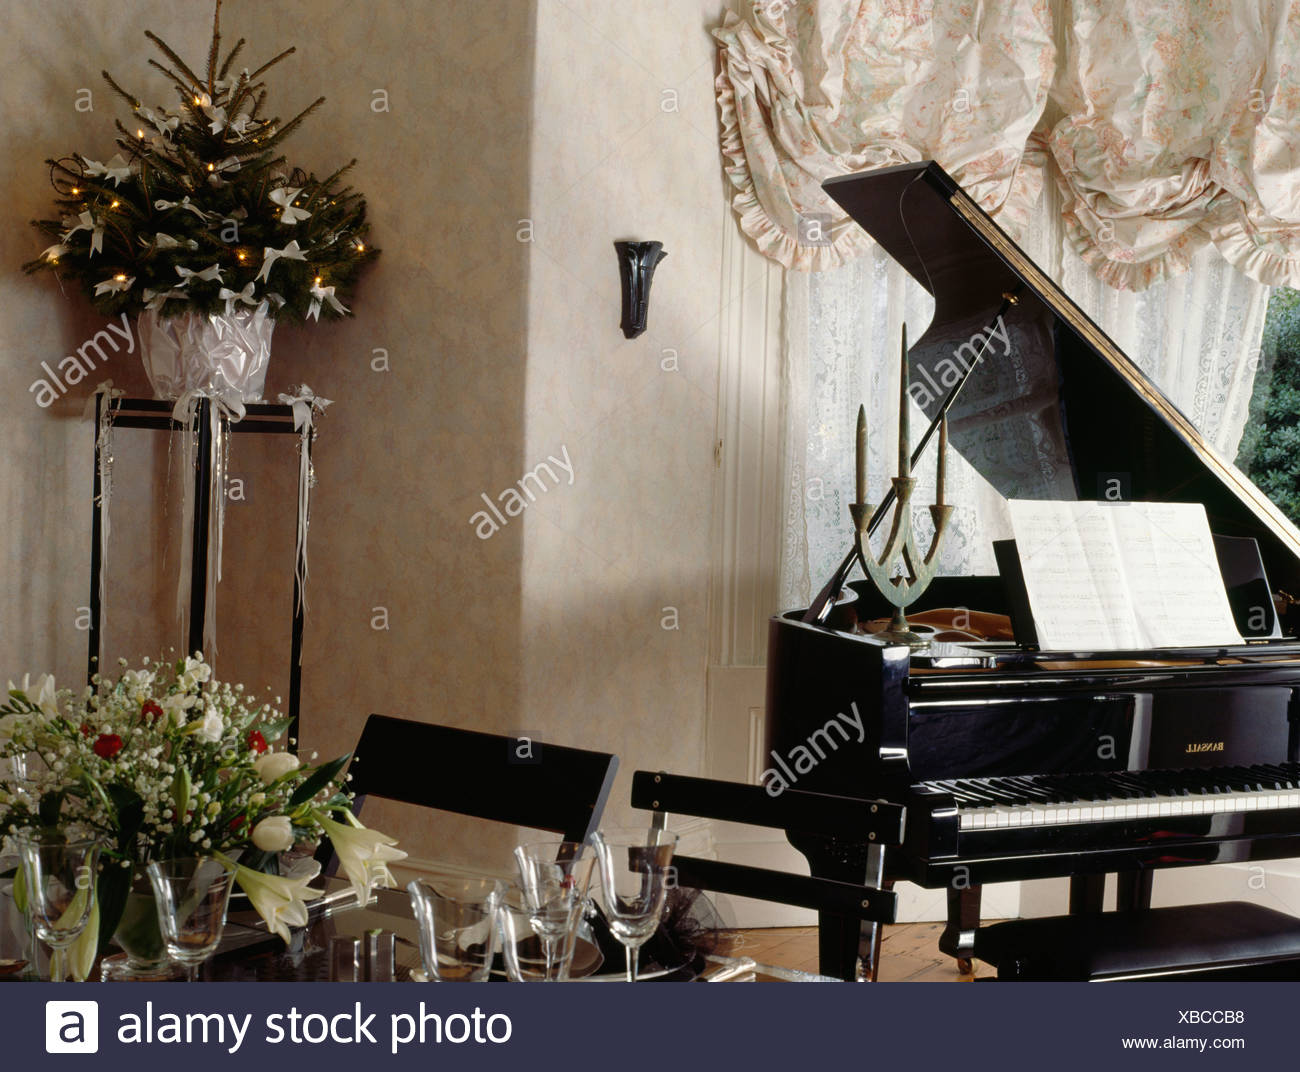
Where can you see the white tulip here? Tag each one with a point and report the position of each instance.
(275, 765)
(274, 834)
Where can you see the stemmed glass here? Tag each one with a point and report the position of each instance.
(191, 894)
(635, 866)
(60, 878)
(554, 876)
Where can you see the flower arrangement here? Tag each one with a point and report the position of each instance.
(198, 211)
(166, 761)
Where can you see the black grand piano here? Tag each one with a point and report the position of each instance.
(1015, 763)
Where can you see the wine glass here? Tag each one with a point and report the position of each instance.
(554, 876)
(634, 870)
(60, 879)
(457, 918)
(191, 894)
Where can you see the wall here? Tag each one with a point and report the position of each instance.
(591, 121)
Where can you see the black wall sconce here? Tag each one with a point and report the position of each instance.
(636, 264)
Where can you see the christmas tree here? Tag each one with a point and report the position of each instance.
(198, 210)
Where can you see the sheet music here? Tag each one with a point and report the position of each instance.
(1106, 575)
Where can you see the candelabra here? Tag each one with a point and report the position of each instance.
(898, 571)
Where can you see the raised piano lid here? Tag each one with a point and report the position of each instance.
(1058, 411)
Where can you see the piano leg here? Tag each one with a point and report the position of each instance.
(869, 934)
(1086, 894)
(958, 937)
(848, 949)
(1133, 890)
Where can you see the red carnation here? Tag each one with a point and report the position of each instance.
(256, 742)
(152, 710)
(107, 745)
(85, 729)
(236, 822)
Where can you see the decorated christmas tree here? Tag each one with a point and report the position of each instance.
(199, 211)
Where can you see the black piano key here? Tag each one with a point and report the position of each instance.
(981, 791)
(1121, 789)
(1031, 789)
(1005, 793)
(963, 798)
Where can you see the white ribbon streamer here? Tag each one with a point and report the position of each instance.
(225, 408)
(305, 406)
(105, 392)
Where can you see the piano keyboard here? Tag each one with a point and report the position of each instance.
(1057, 800)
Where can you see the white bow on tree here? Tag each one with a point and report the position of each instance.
(231, 296)
(291, 252)
(284, 198)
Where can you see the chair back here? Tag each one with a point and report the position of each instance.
(485, 775)
(842, 907)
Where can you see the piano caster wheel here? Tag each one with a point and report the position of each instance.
(965, 966)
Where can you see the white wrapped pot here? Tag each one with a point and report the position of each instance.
(215, 355)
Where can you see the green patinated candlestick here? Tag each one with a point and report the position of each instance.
(898, 571)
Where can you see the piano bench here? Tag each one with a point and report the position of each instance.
(1228, 940)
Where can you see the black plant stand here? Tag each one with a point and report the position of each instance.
(260, 419)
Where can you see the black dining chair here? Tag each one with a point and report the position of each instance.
(515, 780)
(849, 914)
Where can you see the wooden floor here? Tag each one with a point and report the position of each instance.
(909, 952)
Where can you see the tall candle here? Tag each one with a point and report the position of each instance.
(861, 481)
(943, 454)
(904, 449)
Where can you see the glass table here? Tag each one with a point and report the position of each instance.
(249, 953)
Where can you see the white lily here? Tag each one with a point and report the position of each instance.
(280, 901)
(81, 954)
(363, 854)
(43, 697)
(176, 705)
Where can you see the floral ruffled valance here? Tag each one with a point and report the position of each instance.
(819, 88)
(1179, 122)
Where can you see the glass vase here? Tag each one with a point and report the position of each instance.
(144, 955)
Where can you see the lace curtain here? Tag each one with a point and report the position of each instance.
(842, 327)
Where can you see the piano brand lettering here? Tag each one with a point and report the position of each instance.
(48, 389)
(777, 782)
(513, 500)
(950, 370)
(1205, 746)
